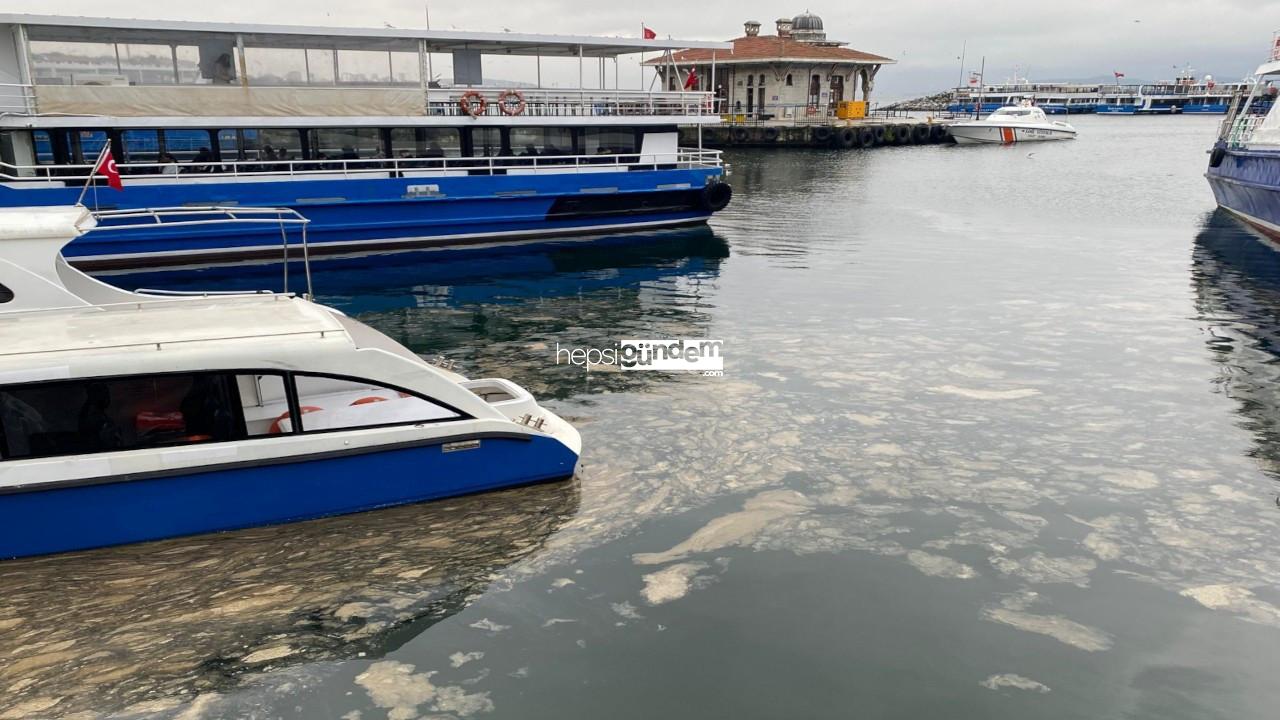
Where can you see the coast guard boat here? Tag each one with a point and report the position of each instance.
(1244, 164)
(350, 125)
(127, 417)
(1021, 123)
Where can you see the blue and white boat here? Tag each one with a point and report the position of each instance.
(350, 125)
(1244, 164)
(127, 417)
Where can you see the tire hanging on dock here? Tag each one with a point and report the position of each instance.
(822, 135)
(920, 134)
(937, 133)
(1216, 157)
(866, 138)
(771, 134)
(880, 134)
(846, 138)
(740, 135)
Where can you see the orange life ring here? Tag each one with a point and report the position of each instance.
(473, 103)
(275, 428)
(511, 102)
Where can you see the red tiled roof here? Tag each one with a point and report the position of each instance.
(772, 47)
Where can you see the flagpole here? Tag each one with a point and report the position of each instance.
(93, 174)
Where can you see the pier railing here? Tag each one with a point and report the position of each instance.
(569, 103)
(17, 99)
(368, 168)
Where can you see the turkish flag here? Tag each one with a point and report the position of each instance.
(691, 82)
(106, 167)
(648, 34)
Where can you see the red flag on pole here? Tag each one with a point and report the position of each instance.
(106, 167)
(1119, 75)
(648, 34)
(691, 82)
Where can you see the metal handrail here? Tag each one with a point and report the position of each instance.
(684, 158)
(17, 99)
(544, 102)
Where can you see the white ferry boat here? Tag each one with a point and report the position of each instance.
(1185, 94)
(127, 417)
(349, 124)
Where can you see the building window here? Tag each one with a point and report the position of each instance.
(761, 78)
(751, 80)
(788, 79)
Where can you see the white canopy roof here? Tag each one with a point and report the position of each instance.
(92, 29)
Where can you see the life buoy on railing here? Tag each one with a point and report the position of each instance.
(473, 103)
(511, 102)
(368, 399)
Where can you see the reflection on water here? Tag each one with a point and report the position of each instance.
(144, 628)
(1237, 282)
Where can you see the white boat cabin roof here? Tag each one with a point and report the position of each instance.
(265, 321)
(58, 28)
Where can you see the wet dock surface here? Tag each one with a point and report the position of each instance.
(997, 438)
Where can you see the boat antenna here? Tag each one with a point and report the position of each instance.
(982, 80)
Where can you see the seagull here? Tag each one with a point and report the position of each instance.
(1033, 152)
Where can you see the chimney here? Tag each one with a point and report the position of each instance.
(784, 27)
(752, 27)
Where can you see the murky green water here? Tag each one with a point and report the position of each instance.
(997, 438)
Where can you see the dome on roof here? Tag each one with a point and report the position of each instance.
(806, 21)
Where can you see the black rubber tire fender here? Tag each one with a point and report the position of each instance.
(920, 134)
(866, 138)
(937, 133)
(1216, 157)
(716, 196)
(822, 134)
(771, 134)
(846, 137)
(741, 135)
(881, 134)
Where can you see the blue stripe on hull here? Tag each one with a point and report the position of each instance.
(346, 211)
(89, 516)
(1248, 184)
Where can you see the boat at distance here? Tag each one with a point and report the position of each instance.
(127, 417)
(1008, 125)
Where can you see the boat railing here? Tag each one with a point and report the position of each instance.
(372, 168)
(17, 99)
(1241, 130)
(542, 102)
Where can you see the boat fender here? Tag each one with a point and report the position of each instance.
(920, 133)
(880, 134)
(822, 134)
(847, 137)
(511, 102)
(902, 135)
(866, 138)
(275, 428)
(472, 103)
(1216, 157)
(938, 133)
(770, 134)
(740, 134)
(716, 196)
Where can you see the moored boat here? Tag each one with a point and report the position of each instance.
(127, 417)
(1244, 163)
(1007, 125)
(354, 126)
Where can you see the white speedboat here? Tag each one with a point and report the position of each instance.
(1021, 123)
(127, 417)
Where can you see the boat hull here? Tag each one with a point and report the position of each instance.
(978, 134)
(1246, 183)
(351, 215)
(128, 510)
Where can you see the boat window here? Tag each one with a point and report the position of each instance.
(111, 414)
(345, 143)
(140, 146)
(264, 402)
(185, 145)
(43, 147)
(486, 142)
(541, 141)
(275, 66)
(426, 142)
(229, 144)
(271, 144)
(331, 403)
(320, 66)
(88, 145)
(608, 141)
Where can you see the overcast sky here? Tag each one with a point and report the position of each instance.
(1145, 39)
